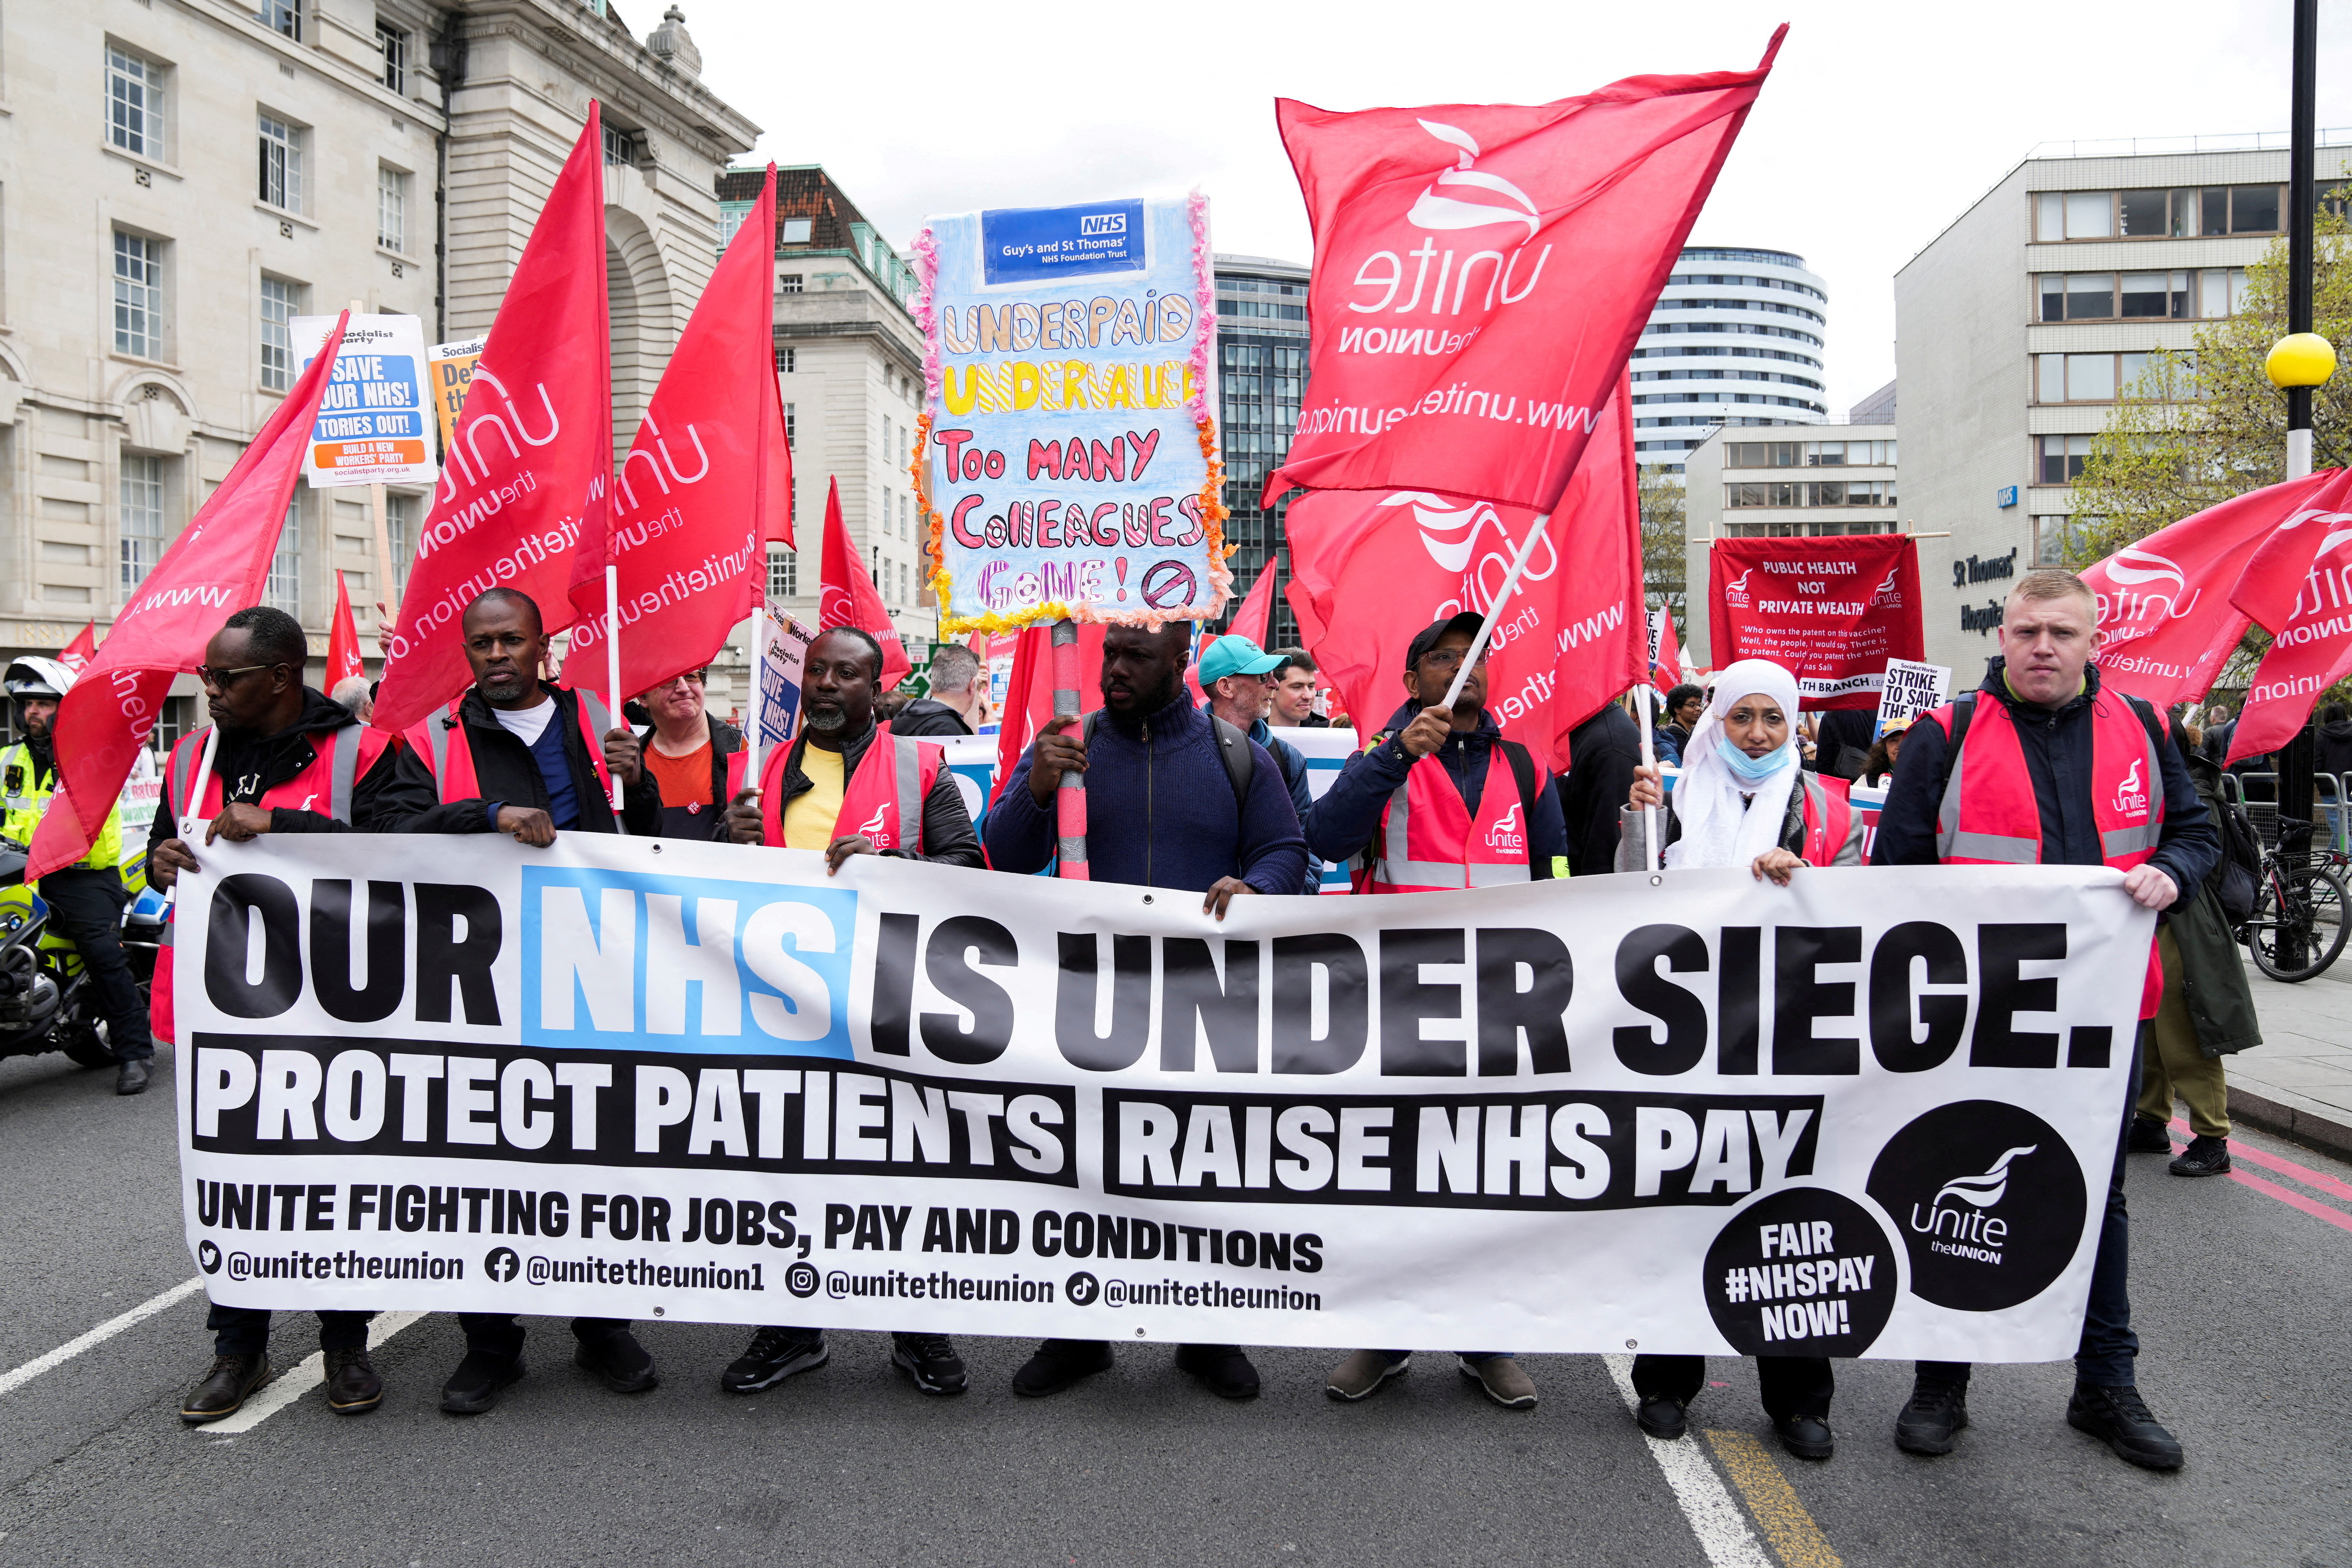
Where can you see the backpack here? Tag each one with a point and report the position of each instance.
(2236, 878)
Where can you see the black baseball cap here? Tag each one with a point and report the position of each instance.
(1466, 621)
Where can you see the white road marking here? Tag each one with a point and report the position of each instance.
(299, 1380)
(15, 1379)
(1722, 1529)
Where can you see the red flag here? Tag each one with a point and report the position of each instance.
(2299, 584)
(522, 488)
(1369, 571)
(342, 639)
(1666, 654)
(846, 596)
(690, 514)
(1029, 691)
(216, 567)
(76, 655)
(2166, 624)
(1256, 613)
(1481, 272)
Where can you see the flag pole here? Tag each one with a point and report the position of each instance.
(613, 656)
(1502, 597)
(189, 820)
(757, 707)
(1070, 798)
(1641, 695)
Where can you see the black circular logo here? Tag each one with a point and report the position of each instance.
(501, 1264)
(1805, 1271)
(801, 1279)
(1990, 1202)
(208, 1257)
(1082, 1289)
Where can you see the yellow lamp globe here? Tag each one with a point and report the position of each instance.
(2300, 359)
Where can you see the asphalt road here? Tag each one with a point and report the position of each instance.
(2243, 1301)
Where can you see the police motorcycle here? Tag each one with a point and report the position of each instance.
(47, 1003)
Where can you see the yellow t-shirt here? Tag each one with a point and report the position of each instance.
(809, 818)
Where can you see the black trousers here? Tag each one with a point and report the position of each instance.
(1793, 1384)
(244, 1330)
(499, 1331)
(87, 906)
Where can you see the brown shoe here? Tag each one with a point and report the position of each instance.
(353, 1385)
(225, 1388)
(1505, 1381)
(1361, 1375)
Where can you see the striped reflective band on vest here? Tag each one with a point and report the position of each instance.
(343, 749)
(2124, 766)
(1392, 868)
(595, 720)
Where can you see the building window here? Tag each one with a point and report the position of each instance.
(281, 16)
(783, 572)
(792, 434)
(1806, 454)
(142, 518)
(393, 43)
(2057, 539)
(284, 590)
(2062, 457)
(280, 304)
(135, 104)
(2222, 290)
(788, 283)
(730, 218)
(2099, 378)
(2188, 212)
(785, 357)
(620, 146)
(400, 538)
(281, 163)
(903, 594)
(2181, 295)
(392, 209)
(1825, 493)
(138, 296)
(906, 516)
(794, 230)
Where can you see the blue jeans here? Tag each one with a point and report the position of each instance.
(2109, 1349)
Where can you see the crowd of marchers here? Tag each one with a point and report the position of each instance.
(2028, 768)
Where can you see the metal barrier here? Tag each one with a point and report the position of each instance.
(2330, 794)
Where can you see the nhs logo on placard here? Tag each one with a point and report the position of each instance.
(1095, 224)
(1035, 245)
(638, 961)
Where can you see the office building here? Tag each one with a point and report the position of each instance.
(181, 178)
(1261, 371)
(1734, 341)
(2020, 326)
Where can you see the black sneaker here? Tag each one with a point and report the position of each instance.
(774, 1355)
(474, 1387)
(932, 1360)
(1222, 1369)
(1937, 1411)
(1806, 1437)
(2203, 1157)
(626, 1365)
(1059, 1363)
(225, 1388)
(2120, 1418)
(2147, 1135)
(1661, 1416)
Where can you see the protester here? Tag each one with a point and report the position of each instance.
(955, 705)
(284, 751)
(1880, 768)
(514, 737)
(691, 756)
(356, 692)
(1603, 754)
(895, 797)
(1841, 740)
(1743, 800)
(1439, 799)
(87, 898)
(1980, 780)
(1175, 798)
(1685, 703)
(1663, 741)
(2334, 753)
(2208, 1013)
(1294, 692)
(2217, 727)
(1241, 680)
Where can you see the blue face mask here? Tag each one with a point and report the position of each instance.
(1748, 767)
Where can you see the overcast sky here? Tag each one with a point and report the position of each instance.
(1881, 124)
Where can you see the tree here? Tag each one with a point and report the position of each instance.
(1666, 550)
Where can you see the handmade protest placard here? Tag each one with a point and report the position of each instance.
(1066, 458)
(716, 1084)
(1912, 688)
(370, 425)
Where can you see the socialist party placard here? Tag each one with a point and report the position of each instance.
(371, 427)
(1832, 611)
(641, 1078)
(1066, 457)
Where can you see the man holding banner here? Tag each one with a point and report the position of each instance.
(2044, 765)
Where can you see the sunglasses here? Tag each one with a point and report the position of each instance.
(219, 679)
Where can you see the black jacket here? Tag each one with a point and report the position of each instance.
(249, 765)
(947, 836)
(2333, 753)
(925, 717)
(2057, 747)
(1603, 754)
(505, 770)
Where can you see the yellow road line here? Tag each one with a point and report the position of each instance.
(1796, 1539)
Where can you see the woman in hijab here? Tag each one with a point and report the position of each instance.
(1744, 799)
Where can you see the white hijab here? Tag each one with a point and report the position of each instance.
(1728, 820)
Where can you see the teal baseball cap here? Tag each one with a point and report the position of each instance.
(1235, 656)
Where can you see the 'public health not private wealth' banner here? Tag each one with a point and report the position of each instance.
(641, 1078)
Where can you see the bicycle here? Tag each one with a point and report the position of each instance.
(2298, 927)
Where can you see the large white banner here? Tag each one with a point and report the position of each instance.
(1868, 1114)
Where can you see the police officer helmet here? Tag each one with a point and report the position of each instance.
(37, 679)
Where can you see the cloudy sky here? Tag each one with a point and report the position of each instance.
(1882, 122)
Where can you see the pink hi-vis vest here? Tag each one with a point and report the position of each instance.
(1991, 815)
(883, 800)
(442, 741)
(1427, 842)
(325, 786)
